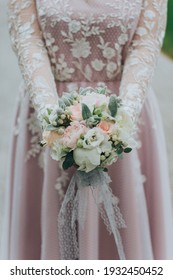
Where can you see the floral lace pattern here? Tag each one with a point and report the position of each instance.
(76, 30)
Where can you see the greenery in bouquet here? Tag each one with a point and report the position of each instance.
(89, 129)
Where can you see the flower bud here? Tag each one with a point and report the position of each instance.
(102, 157)
(61, 131)
(80, 143)
(60, 121)
(63, 116)
(107, 154)
(114, 138)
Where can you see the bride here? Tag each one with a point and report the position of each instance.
(63, 45)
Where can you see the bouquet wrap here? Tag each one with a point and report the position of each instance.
(74, 208)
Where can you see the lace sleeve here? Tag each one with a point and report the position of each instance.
(28, 44)
(142, 55)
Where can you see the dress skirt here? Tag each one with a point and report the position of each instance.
(34, 195)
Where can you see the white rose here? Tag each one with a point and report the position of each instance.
(125, 127)
(93, 138)
(106, 146)
(124, 120)
(57, 151)
(94, 99)
(87, 160)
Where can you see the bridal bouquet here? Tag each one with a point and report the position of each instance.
(90, 130)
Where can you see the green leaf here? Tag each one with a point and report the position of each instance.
(119, 150)
(49, 111)
(46, 119)
(113, 106)
(61, 104)
(69, 161)
(86, 113)
(51, 127)
(84, 91)
(66, 101)
(127, 150)
(101, 90)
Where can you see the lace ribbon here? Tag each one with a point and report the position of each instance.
(74, 208)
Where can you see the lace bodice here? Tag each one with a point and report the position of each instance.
(70, 41)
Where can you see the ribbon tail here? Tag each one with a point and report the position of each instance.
(69, 248)
(110, 212)
(74, 208)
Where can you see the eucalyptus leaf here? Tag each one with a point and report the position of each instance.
(49, 111)
(61, 104)
(69, 161)
(46, 119)
(86, 113)
(101, 90)
(84, 91)
(119, 150)
(66, 101)
(50, 127)
(113, 106)
(127, 150)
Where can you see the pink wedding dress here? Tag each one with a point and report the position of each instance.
(63, 45)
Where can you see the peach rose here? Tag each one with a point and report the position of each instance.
(105, 126)
(76, 112)
(72, 134)
(50, 137)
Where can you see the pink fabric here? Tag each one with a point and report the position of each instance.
(32, 202)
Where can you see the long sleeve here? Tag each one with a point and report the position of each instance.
(142, 55)
(27, 43)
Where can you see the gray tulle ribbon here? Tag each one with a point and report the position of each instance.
(74, 209)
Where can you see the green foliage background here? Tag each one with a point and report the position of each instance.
(168, 40)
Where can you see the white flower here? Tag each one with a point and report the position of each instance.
(106, 146)
(87, 160)
(123, 38)
(111, 67)
(93, 138)
(81, 48)
(57, 151)
(74, 26)
(108, 52)
(125, 127)
(123, 119)
(97, 64)
(94, 99)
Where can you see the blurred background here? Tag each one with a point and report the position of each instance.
(168, 41)
(10, 78)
